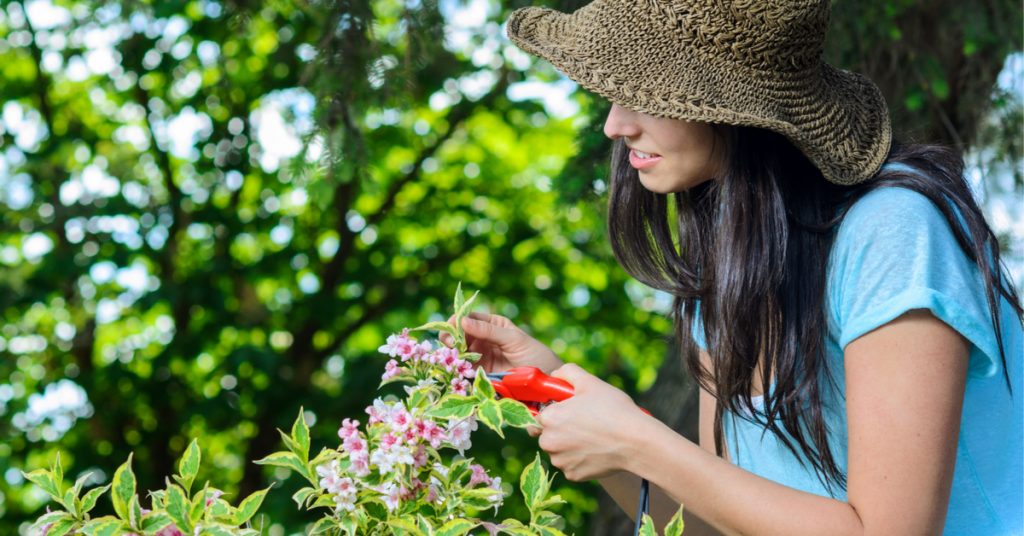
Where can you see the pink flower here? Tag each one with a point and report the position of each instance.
(466, 369)
(354, 444)
(421, 351)
(419, 458)
(460, 386)
(400, 345)
(479, 476)
(447, 358)
(360, 465)
(433, 433)
(391, 370)
(349, 428)
(170, 530)
(434, 494)
(378, 412)
(388, 440)
(215, 495)
(400, 418)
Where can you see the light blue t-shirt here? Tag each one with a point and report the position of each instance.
(894, 252)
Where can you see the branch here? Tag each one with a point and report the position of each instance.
(330, 276)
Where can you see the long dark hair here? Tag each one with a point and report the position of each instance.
(751, 248)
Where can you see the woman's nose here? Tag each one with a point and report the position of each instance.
(621, 122)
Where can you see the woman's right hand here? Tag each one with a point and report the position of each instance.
(503, 345)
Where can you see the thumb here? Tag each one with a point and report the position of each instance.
(572, 373)
(488, 332)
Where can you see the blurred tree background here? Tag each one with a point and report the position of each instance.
(215, 211)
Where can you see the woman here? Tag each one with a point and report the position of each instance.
(837, 294)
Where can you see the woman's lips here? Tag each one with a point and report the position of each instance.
(642, 163)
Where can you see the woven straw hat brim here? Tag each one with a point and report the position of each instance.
(837, 118)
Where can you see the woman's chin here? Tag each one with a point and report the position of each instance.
(654, 185)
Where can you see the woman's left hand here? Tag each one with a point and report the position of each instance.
(589, 435)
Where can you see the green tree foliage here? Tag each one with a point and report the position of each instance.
(175, 266)
(203, 289)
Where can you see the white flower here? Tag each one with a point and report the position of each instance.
(391, 494)
(459, 434)
(384, 461)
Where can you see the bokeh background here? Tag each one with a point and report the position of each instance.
(214, 212)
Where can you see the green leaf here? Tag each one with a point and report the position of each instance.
(472, 357)
(50, 517)
(456, 527)
(134, 512)
(177, 507)
(216, 530)
(482, 388)
(460, 300)
(61, 527)
(349, 526)
(454, 407)
(44, 479)
(438, 326)
(103, 526)
(518, 531)
(479, 497)
(70, 503)
(300, 435)
(547, 519)
(302, 496)
(220, 510)
(550, 501)
(250, 506)
(324, 525)
(407, 524)
(91, 496)
(288, 441)
(490, 414)
(515, 414)
(58, 472)
(198, 505)
(290, 461)
(188, 466)
(325, 456)
(154, 522)
(547, 531)
(534, 483)
(424, 525)
(647, 526)
(123, 488)
(675, 525)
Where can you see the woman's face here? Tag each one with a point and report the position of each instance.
(671, 155)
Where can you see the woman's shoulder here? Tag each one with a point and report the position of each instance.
(892, 213)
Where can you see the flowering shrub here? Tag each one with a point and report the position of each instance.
(404, 472)
(400, 474)
(177, 510)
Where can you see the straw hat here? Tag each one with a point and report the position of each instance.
(741, 62)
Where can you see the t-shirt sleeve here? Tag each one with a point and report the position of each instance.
(895, 252)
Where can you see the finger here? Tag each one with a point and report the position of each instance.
(572, 373)
(489, 332)
(446, 340)
(534, 431)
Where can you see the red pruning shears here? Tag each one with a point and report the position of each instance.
(532, 387)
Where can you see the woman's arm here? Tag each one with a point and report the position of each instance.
(624, 487)
(905, 385)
